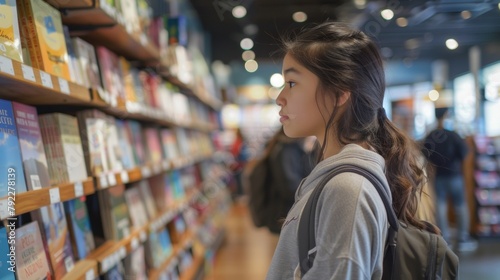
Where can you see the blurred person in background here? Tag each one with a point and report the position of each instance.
(240, 151)
(446, 151)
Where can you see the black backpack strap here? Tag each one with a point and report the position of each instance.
(307, 230)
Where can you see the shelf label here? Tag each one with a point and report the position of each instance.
(103, 182)
(28, 73)
(54, 195)
(79, 189)
(146, 171)
(90, 275)
(4, 208)
(112, 179)
(122, 253)
(134, 244)
(105, 264)
(6, 65)
(124, 176)
(63, 85)
(46, 79)
(68, 263)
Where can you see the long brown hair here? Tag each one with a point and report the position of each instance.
(347, 60)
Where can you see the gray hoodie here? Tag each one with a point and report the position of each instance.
(351, 223)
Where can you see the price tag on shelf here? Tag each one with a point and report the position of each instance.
(90, 274)
(68, 263)
(54, 195)
(146, 171)
(6, 65)
(106, 264)
(4, 209)
(124, 176)
(122, 253)
(112, 179)
(28, 73)
(46, 79)
(103, 181)
(79, 189)
(134, 243)
(63, 85)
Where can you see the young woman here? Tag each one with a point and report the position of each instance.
(334, 90)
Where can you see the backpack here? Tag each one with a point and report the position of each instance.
(411, 253)
(256, 180)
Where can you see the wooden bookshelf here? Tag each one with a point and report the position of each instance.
(107, 255)
(31, 200)
(188, 90)
(194, 269)
(25, 84)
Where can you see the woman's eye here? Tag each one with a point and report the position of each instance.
(291, 84)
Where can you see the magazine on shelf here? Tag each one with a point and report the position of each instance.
(32, 261)
(79, 224)
(10, 41)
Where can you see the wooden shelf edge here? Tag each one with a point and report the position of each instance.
(36, 87)
(83, 270)
(32, 200)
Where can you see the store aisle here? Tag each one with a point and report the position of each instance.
(246, 252)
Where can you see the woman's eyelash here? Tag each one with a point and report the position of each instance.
(291, 84)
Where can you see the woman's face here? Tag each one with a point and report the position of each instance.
(299, 114)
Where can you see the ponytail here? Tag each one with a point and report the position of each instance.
(404, 170)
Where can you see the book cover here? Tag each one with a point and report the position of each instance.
(10, 38)
(169, 144)
(135, 264)
(92, 125)
(125, 145)
(134, 133)
(32, 151)
(117, 272)
(55, 232)
(46, 37)
(118, 211)
(154, 149)
(112, 145)
(147, 196)
(11, 165)
(7, 267)
(156, 250)
(31, 260)
(161, 191)
(87, 58)
(79, 225)
(112, 77)
(136, 208)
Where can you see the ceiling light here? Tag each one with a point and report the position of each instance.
(412, 44)
(239, 12)
(248, 55)
(466, 14)
(402, 22)
(451, 44)
(387, 14)
(299, 16)
(277, 80)
(433, 95)
(246, 44)
(251, 65)
(360, 4)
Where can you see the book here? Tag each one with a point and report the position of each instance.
(138, 214)
(11, 165)
(36, 171)
(63, 147)
(134, 133)
(112, 146)
(111, 75)
(45, 37)
(7, 255)
(154, 149)
(135, 264)
(125, 145)
(55, 232)
(117, 272)
(162, 193)
(82, 238)
(92, 125)
(87, 58)
(158, 248)
(116, 221)
(147, 196)
(169, 144)
(10, 37)
(32, 262)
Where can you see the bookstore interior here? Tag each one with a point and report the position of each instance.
(116, 117)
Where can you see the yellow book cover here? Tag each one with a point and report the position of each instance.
(10, 39)
(43, 23)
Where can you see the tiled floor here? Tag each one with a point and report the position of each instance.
(247, 252)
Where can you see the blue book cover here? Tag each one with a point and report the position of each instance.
(79, 225)
(11, 165)
(5, 267)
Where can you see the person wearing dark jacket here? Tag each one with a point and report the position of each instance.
(290, 162)
(446, 151)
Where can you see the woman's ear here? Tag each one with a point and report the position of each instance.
(343, 98)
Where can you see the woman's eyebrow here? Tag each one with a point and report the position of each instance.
(291, 70)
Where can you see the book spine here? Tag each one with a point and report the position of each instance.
(30, 29)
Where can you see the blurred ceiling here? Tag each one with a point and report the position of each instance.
(429, 24)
